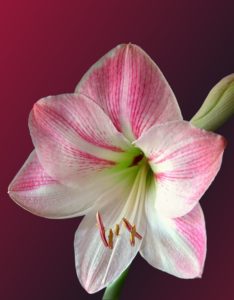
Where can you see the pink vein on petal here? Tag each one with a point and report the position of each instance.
(85, 131)
(33, 178)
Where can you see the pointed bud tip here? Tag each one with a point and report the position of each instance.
(218, 106)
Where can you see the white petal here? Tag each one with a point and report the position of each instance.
(176, 246)
(97, 266)
(36, 191)
(131, 89)
(185, 160)
(74, 138)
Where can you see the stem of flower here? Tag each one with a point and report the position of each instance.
(113, 291)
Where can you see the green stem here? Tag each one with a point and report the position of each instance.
(113, 291)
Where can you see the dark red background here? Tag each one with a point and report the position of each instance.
(45, 47)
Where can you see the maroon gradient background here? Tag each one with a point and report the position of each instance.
(46, 46)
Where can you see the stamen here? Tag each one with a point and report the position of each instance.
(127, 224)
(129, 228)
(110, 239)
(132, 235)
(101, 229)
(117, 229)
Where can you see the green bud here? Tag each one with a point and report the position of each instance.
(218, 106)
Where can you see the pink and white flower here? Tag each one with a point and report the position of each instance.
(119, 152)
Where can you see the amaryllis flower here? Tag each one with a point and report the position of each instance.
(119, 152)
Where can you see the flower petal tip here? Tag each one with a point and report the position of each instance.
(88, 289)
(198, 275)
(9, 189)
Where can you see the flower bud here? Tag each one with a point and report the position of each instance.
(218, 106)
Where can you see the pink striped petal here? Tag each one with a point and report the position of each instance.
(185, 160)
(36, 191)
(74, 138)
(131, 89)
(176, 246)
(97, 265)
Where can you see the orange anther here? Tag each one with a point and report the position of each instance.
(127, 224)
(132, 235)
(117, 229)
(129, 228)
(110, 239)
